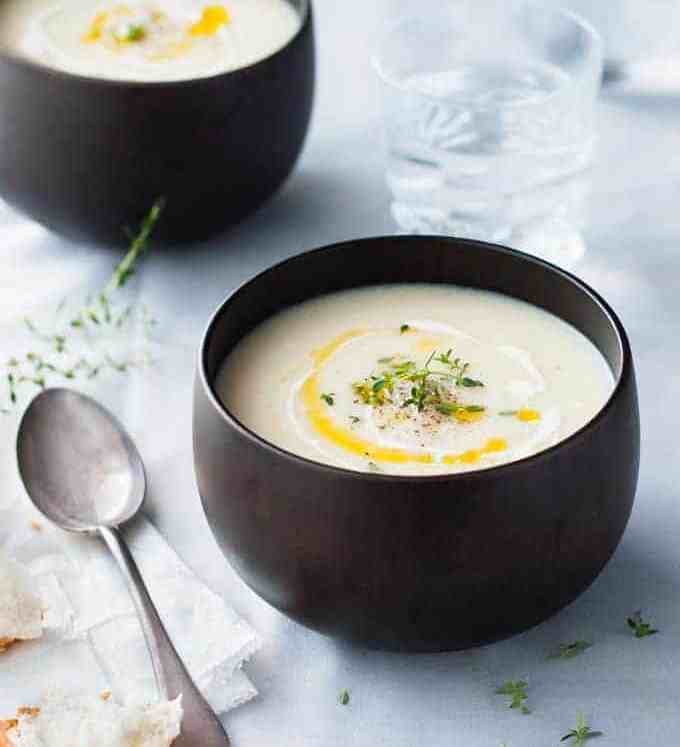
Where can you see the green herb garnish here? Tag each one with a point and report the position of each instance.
(429, 385)
(518, 694)
(375, 390)
(381, 383)
(468, 382)
(126, 268)
(344, 697)
(448, 408)
(570, 650)
(582, 733)
(34, 368)
(354, 419)
(458, 369)
(508, 413)
(135, 32)
(328, 399)
(640, 628)
(404, 328)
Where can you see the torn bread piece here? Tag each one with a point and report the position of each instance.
(87, 720)
(5, 726)
(21, 610)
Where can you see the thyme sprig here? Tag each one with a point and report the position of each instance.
(100, 311)
(430, 386)
(458, 370)
(37, 368)
(582, 733)
(128, 265)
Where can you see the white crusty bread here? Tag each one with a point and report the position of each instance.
(20, 607)
(8, 726)
(86, 720)
(5, 726)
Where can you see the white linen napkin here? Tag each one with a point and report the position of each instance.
(92, 639)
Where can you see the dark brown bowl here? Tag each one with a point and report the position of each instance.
(87, 157)
(408, 563)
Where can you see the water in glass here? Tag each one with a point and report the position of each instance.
(497, 148)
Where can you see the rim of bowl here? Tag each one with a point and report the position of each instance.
(496, 470)
(596, 46)
(26, 62)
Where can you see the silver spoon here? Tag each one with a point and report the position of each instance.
(83, 472)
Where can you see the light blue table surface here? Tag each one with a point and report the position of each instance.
(626, 687)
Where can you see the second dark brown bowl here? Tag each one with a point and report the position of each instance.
(408, 563)
(87, 157)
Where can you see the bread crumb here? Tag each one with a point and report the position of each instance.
(5, 643)
(36, 525)
(106, 695)
(5, 726)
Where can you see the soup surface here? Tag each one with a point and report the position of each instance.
(414, 379)
(152, 40)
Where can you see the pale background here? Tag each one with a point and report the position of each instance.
(626, 687)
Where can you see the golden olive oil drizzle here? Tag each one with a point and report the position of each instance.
(317, 412)
(492, 446)
(213, 18)
(427, 344)
(96, 29)
(321, 355)
(326, 427)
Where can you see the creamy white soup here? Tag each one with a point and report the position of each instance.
(151, 40)
(414, 379)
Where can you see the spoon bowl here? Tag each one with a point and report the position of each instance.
(79, 466)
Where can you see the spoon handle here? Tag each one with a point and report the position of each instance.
(200, 725)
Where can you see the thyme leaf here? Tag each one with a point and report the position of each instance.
(640, 628)
(517, 691)
(135, 32)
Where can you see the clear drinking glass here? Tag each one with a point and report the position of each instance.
(489, 112)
